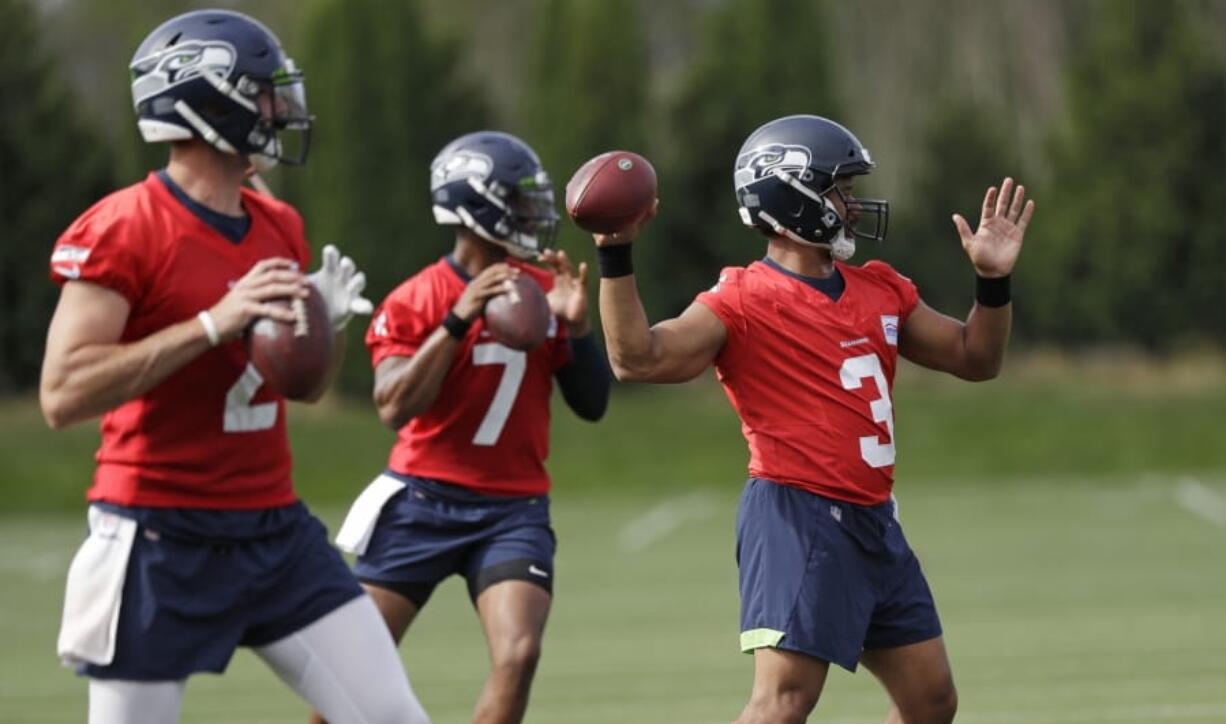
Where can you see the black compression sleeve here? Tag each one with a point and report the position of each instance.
(585, 380)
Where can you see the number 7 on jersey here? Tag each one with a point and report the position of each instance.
(496, 416)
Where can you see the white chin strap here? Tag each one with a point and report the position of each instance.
(841, 247)
(462, 217)
(262, 163)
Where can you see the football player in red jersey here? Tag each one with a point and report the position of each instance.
(197, 541)
(806, 346)
(466, 491)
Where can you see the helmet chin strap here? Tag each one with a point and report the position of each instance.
(207, 132)
(261, 162)
(516, 250)
(842, 247)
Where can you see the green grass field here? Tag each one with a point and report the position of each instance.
(1071, 519)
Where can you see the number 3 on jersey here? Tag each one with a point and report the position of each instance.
(508, 388)
(874, 452)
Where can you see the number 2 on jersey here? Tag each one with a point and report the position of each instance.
(874, 452)
(242, 416)
(508, 388)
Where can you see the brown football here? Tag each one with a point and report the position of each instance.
(520, 317)
(293, 357)
(611, 191)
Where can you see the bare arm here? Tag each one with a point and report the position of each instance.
(974, 350)
(406, 386)
(675, 350)
(87, 370)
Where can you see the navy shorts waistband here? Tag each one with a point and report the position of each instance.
(885, 508)
(455, 493)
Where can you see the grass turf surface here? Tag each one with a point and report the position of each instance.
(1065, 519)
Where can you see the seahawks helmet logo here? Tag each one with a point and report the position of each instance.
(177, 64)
(761, 162)
(458, 166)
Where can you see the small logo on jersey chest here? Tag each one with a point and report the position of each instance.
(889, 327)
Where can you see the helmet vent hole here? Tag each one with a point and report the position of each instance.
(174, 39)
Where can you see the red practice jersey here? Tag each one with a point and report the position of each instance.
(210, 435)
(811, 378)
(488, 429)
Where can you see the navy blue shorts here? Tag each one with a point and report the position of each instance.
(827, 578)
(432, 529)
(200, 583)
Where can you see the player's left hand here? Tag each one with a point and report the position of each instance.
(568, 298)
(993, 247)
(340, 284)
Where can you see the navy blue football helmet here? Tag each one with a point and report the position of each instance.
(493, 184)
(785, 172)
(221, 76)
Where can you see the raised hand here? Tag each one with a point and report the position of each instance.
(993, 247)
(491, 282)
(630, 233)
(268, 279)
(340, 284)
(568, 298)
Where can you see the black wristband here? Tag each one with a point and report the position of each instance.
(993, 291)
(455, 326)
(615, 261)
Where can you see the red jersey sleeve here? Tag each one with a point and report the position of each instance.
(105, 248)
(401, 324)
(302, 249)
(908, 294)
(725, 300)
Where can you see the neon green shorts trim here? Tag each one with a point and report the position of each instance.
(759, 638)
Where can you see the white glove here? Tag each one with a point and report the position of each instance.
(341, 285)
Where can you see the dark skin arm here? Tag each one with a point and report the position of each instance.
(974, 350)
(406, 386)
(674, 350)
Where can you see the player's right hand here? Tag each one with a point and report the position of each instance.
(631, 232)
(491, 282)
(248, 299)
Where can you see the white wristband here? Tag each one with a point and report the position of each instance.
(210, 328)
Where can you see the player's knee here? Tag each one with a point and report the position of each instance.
(944, 705)
(518, 656)
(938, 706)
(786, 706)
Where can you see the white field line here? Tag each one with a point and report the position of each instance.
(661, 519)
(1201, 500)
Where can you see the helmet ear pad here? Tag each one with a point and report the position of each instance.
(784, 175)
(493, 184)
(200, 74)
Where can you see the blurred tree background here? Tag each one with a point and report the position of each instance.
(1110, 112)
